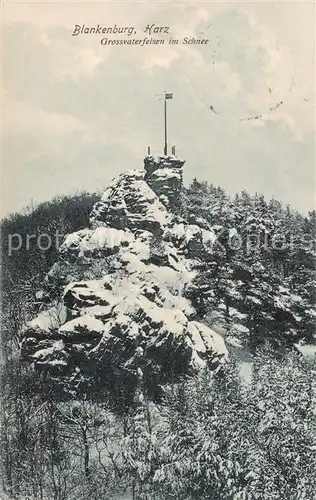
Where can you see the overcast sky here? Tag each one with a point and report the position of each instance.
(76, 113)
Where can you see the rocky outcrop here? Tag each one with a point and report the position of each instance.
(164, 176)
(123, 282)
(129, 203)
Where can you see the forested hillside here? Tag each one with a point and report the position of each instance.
(24, 262)
(259, 279)
(154, 351)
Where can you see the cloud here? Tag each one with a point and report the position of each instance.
(162, 60)
(20, 117)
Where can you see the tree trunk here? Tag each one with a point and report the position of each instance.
(86, 453)
(134, 490)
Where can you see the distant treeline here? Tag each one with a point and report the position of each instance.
(60, 216)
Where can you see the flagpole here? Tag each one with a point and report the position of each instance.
(166, 146)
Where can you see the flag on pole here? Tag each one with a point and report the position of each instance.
(169, 96)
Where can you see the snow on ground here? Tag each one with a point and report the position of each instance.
(245, 371)
(49, 319)
(44, 356)
(84, 323)
(307, 350)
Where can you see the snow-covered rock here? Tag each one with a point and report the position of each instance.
(130, 203)
(164, 176)
(123, 283)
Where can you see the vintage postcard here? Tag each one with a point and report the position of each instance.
(158, 243)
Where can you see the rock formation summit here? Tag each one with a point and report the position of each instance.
(122, 285)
